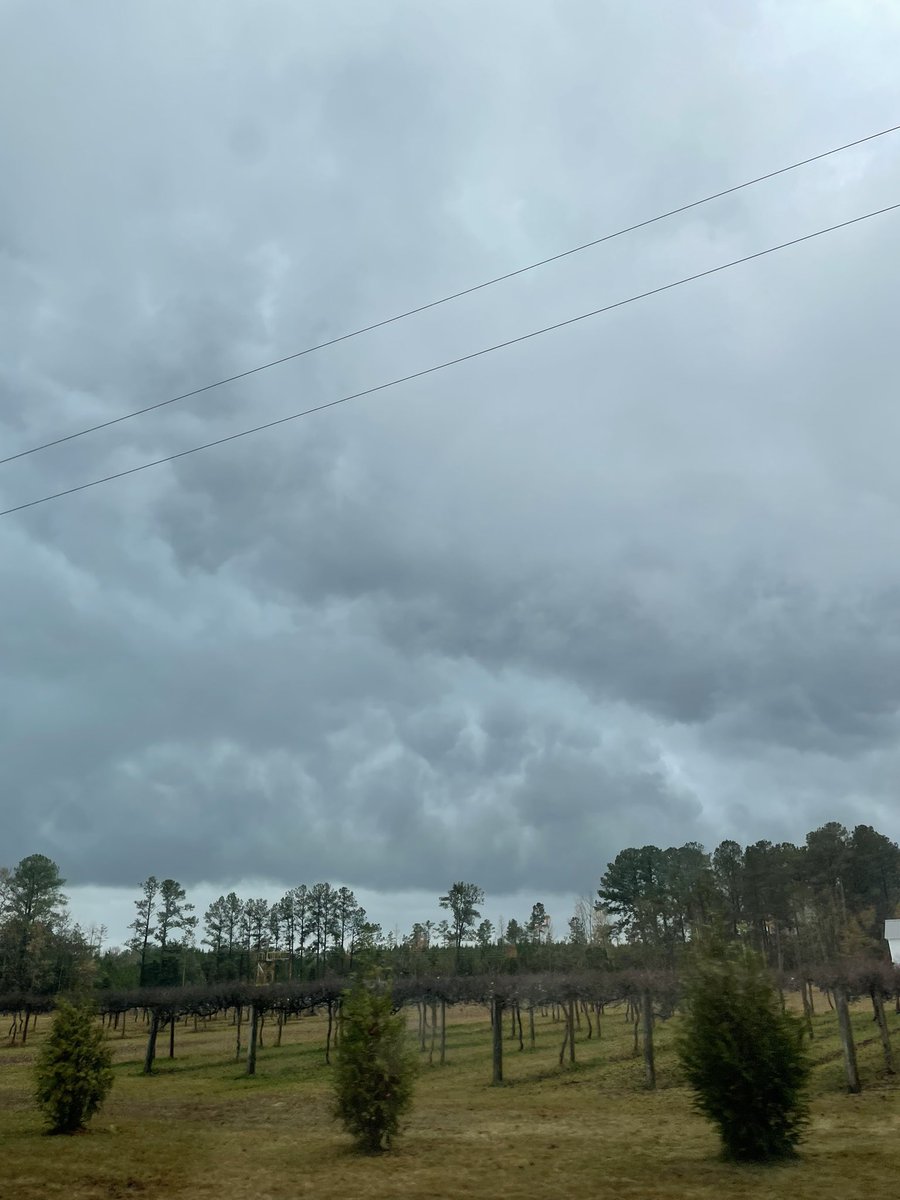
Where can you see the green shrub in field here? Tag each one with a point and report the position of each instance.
(744, 1058)
(73, 1070)
(375, 1068)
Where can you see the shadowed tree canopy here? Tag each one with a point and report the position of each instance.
(35, 891)
(34, 935)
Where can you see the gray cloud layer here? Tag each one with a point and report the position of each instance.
(637, 581)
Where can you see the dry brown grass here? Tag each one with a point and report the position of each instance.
(199, 1128)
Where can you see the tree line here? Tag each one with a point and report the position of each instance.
(798, 905)
(795, 904)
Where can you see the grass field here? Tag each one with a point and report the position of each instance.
(200, 1128)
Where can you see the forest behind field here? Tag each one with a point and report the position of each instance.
(800, 905)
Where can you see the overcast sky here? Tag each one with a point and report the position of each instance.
(634, 581)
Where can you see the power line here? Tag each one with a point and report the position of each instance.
(468, 291)
(452, 362)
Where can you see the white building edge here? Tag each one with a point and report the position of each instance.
(892, 936)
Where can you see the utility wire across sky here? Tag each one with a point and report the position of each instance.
(468, 291)
(452, 362)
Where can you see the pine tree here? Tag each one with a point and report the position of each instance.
(375, 1069)
(73, 1069)
(744, 1058)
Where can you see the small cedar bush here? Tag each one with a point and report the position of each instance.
(73, 1069)
(744, 1058)
(375, 1067)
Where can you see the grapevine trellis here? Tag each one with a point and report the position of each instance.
(573, 999)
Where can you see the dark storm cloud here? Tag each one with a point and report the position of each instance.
(635, 581)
